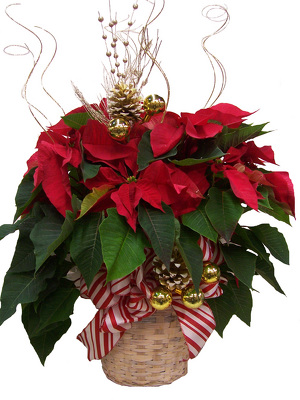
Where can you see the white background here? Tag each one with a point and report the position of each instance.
(259, 50)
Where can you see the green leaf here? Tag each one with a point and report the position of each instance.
(199, 222)
(224, 211)
(275, 211)
(245, 238)
(160, 228)
(223, 309)
(241, 262)
(26, 193)
(228, 138)
(24, 257)
(145, 154)
(76, 121)
(58, 305)
(25, 189)
(266, 270)
(191, 253)
(22, 287)
(7, 229)
(122, 248)
(43, 342)
(242, 299)
(263, 190)
(89, 170)
(273, 240)
(91, 199)
(33, 196)
(25, 224)
(235, 300)
(49, 233)
(85, 246)
(216, 153)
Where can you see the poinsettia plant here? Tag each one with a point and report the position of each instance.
(90, 200)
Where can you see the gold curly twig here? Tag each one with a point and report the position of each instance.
(225, 18)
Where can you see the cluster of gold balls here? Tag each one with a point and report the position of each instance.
(161, 297)
(119, 128)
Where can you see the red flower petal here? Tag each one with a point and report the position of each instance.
(32, 162)
(105, 176)
(170, 119)
(226, 108)
(126, 199)
(283, 188)
(164, 137)
(207, 131)
(101, 146)
(197, 173)
(234, 154)
(242, 187)
(54, 178)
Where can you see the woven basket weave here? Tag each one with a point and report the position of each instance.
(152, 353)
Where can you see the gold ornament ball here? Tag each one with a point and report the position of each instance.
(161, 298)
(119, 129)
(191, 299)
(154, 104)
(211, 273)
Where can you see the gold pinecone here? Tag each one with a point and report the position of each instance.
(177, 278)
(124, 101)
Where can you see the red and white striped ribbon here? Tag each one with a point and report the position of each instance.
(124, 301)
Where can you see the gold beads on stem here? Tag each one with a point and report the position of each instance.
(119, 129)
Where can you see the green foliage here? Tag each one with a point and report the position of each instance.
(241, 262)
(234, 137)
(49, 233)
(205, 156)
(23, 287)
(7, 229)
(199, 222)
(191, 253)
(275, 210)
(85, 247)
(122, 248)
(26, 193)
(223, 309)
(160, 228)
(273, 240)
(58, 305)
(224, 211)
(89, 170)
(266, 270)
(76, 121)
(43, 341)
(246, 238)
(235, 300)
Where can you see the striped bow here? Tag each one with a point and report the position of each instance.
(124, 301)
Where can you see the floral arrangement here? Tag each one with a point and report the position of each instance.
(126, 195)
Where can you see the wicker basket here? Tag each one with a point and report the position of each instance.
(152, 353)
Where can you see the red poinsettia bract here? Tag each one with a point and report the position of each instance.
(204, 124)
(158, 183)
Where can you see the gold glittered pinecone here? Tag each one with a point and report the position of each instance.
(177, 278)
(124, 101)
